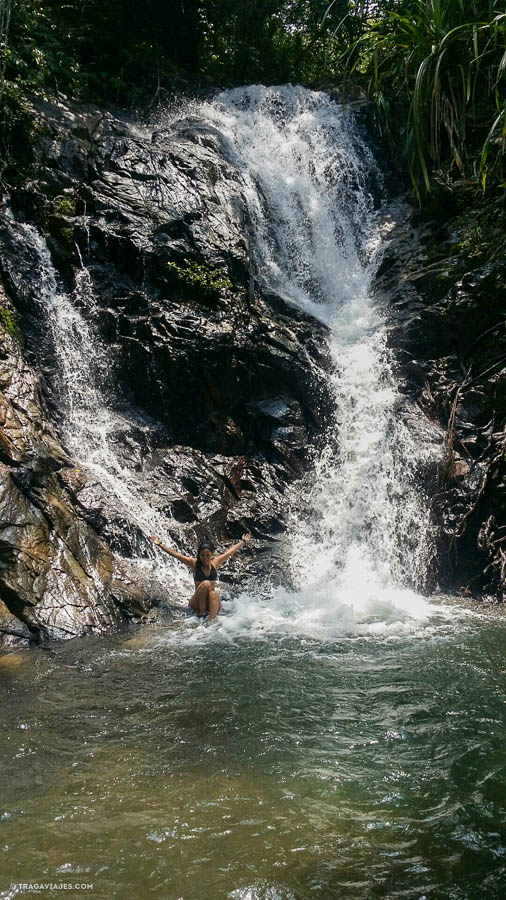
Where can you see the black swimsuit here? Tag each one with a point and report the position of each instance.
(199, 575)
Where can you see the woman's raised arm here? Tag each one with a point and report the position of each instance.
(187, 560)
(231, 550)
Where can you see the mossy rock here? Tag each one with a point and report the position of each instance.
(9, 318)
(63, 231)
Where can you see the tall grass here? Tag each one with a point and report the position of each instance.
(443, 62)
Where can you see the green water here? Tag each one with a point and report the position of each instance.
(150, 765)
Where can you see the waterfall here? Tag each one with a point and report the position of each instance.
(360, 542)
(361, 539)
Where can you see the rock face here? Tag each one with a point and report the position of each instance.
(446, 302)
(219, 392)
(58, 578)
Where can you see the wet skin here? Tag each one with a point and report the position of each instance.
(206, 598)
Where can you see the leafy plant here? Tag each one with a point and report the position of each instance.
(207, 280)
(444, 61)
(64, 206)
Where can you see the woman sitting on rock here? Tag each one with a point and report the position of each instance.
(205, 573)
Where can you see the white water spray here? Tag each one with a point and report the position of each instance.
(360, 538)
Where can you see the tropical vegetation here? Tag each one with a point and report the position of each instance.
(435, 69)
(443, 62)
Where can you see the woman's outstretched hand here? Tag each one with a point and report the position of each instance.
(246, 538)
(156, 540)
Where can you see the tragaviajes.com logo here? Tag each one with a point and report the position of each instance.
(36, 887)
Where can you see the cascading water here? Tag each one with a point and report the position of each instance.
(361, 540)
(186, 763)
(93, 431)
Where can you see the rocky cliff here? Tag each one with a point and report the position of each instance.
(212, 394)
(219, 392)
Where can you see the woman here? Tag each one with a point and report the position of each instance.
(205, 573)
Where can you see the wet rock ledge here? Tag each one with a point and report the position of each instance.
(224, 388)
(445, 290)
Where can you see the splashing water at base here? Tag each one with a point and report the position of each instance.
(361, 543)
(290, 768)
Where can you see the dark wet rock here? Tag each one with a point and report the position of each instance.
(13, 631)
(447, 327)
(224, 390)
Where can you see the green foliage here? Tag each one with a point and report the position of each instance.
(128, 52)
(492, 154)
(205, 280)
(64, 206)
(131, 53)
(434, 68)
(9, 321)
(271, 41)
(443, 61)
(482, 226)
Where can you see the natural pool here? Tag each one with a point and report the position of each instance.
(181, 763)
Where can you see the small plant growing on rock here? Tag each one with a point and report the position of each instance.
(208, 281)
(64, 206)
(10, 323)
(66, 235)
